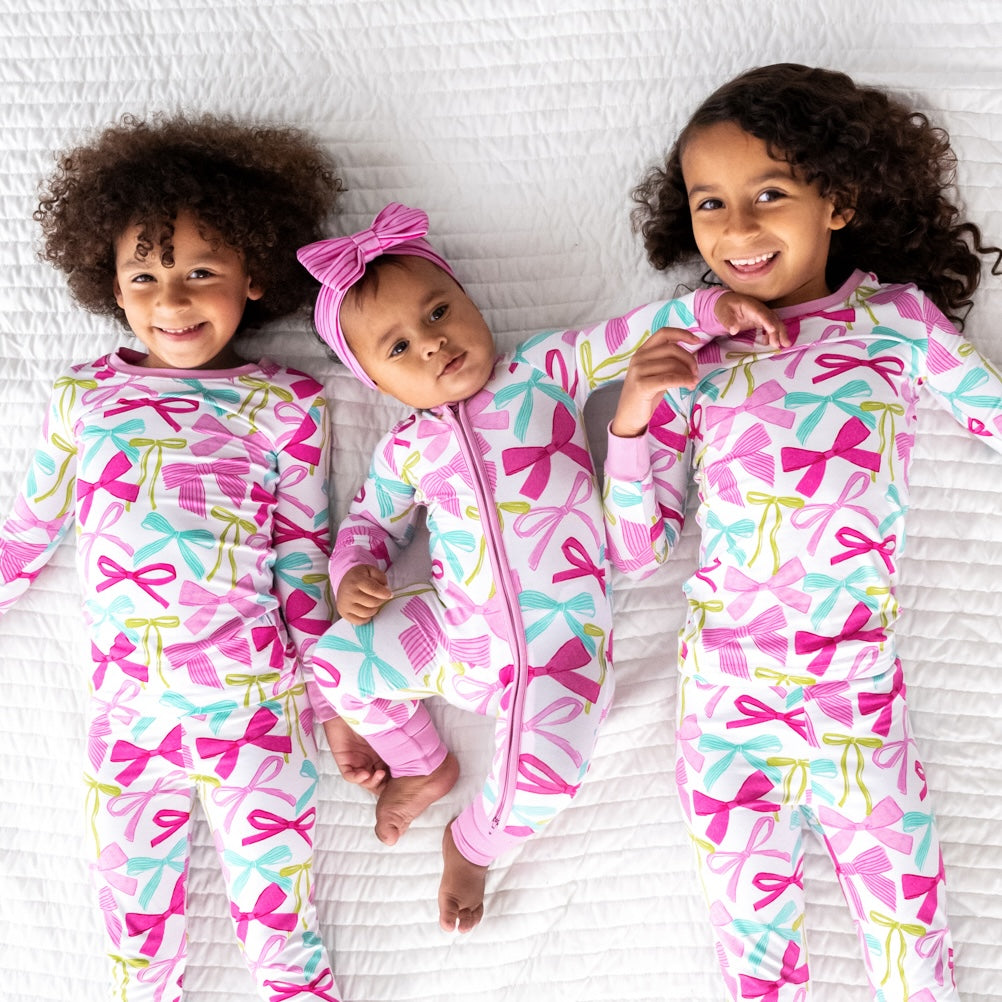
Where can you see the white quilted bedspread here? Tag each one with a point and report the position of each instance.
(520, 127)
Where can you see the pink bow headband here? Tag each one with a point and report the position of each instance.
(339, 263)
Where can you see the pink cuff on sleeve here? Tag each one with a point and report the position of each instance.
(703, 305)
(627, 458)
(343, 559)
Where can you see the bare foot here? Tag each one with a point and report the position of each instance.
(461, 892)
(354, 756)
(403, 798)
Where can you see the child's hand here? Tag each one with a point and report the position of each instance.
(363, 591)
(741, 313)
(660, 363)
(354, 756)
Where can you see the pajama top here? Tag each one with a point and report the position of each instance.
(199, 513)
(520, 591)
(800, 458)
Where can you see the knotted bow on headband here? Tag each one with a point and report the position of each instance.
(339, 263)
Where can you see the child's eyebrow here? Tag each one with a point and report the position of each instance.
(134, 263)
(772, 176)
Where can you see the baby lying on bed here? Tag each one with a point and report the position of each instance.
(516, 622)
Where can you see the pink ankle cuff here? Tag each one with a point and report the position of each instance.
(413, 749)
(475, 840)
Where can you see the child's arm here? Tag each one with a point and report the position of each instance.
(43, 509)
(957, 375)
(381, 521)
(301, 530)
(659, 364)
(646, 476)
(601, 353)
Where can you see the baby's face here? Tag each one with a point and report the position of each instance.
(418, 336)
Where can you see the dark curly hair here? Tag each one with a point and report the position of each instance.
(264, 190)
(865, 151)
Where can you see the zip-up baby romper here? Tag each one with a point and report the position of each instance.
(516, 622)
(200, 501)
(792, 704)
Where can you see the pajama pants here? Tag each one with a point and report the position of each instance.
(756, 766)
(244, 753)
(376, 675)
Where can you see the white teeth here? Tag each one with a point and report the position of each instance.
(750, 261)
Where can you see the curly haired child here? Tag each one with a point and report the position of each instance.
(516, 622)
(197, 481)
(832, 203)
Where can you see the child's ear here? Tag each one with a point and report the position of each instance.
(254, 291)
(841, 217)
(843, 205)
(117, 289)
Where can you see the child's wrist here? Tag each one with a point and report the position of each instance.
(626, 429)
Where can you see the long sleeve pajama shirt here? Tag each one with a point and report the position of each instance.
(200, 502)
(792, 704)
(516, 621)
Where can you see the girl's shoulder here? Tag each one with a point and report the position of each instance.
(294, 380)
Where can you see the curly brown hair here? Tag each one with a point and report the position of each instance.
(263, 190)
(866, 151)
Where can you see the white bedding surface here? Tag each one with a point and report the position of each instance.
(521, 133)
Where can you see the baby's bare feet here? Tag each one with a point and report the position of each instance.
(461, 893)
(403, 798)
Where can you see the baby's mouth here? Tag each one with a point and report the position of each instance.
(454, 364)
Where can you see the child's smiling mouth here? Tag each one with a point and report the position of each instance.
(180, 331)
(747, 265)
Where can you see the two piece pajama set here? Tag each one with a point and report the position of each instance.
(792, 709)
(200, 501)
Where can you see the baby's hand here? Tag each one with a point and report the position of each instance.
(363, 591)
(741, 313)
(660, 363)
(354, 756)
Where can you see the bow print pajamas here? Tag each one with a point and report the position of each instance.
(516, 622)
(200, 501)
(792, 704)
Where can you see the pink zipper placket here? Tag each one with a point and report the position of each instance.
(509, 594)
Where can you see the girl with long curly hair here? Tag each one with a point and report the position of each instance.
(833, 203)
(198, 482)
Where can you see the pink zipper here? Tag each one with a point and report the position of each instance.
(509, 596)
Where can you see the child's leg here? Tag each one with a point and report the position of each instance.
(882, 838)
(263, 815)
(544, 740)
(139, 805)
(363, 672)
(746, 829)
